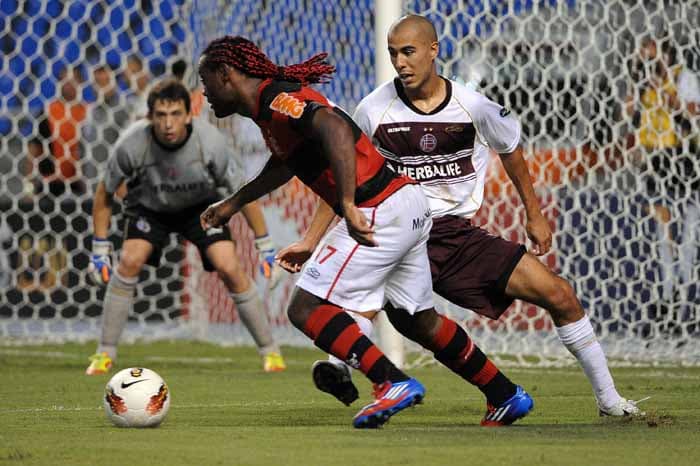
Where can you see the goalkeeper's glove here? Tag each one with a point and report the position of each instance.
(100, 267)
(266, 258)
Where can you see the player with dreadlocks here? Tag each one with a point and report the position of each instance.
(359, 264)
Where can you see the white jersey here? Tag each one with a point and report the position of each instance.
(446, 150)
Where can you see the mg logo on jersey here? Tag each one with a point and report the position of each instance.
(428, 143)
(288, 105)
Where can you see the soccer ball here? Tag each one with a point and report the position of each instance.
(136, 397)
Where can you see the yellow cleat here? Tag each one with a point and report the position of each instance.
(100, 363)
(273, 362)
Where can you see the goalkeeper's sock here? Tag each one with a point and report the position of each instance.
(453, 348)
(366, 326)
(335, 332)
(579, 338)
(253, 314)
(115, 311)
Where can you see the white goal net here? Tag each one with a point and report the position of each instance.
(604, 90)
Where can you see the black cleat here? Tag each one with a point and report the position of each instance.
(336, 380)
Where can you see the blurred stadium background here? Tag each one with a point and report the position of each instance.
(567, 68)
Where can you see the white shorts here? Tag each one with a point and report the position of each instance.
(361, 278)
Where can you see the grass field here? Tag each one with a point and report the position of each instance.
(226, 411)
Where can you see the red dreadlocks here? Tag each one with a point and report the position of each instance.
(243, 54)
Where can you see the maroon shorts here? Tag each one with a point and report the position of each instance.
(470, 266)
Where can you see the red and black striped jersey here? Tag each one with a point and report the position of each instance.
(284, 112)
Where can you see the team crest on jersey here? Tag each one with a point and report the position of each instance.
(288, 105)
(172, 173)
(143, 225)
(428, 143)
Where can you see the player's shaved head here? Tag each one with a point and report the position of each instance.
(419, 25)
(413, 48)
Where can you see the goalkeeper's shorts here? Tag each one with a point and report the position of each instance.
(155, 227)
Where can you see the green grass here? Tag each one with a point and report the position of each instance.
(225, 410)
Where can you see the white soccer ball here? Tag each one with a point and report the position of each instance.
(136, 397)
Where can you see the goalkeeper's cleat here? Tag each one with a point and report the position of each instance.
(516, 407)
(273, 362)
(336, 380)
(100, 364)
(391, 398)
(623, 408)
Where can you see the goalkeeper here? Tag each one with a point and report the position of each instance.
(172, 166)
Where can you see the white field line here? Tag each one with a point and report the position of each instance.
(73, 356)
(644, 371)
(177, 407)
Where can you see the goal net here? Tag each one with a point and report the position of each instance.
(608, 129)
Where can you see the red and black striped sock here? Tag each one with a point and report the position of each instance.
(335, 332)
(453, 348)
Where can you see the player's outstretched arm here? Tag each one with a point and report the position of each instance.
(537, 227)
(100, 267)
(293, 257)
(273, 175)
(338, 145)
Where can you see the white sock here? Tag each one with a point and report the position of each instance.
(253, 314)
(115, 312)
(581, 341)
(366, 327)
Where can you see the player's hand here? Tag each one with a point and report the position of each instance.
(358, 226)
(100, 266)
(266, 260)
(217, 214)
(294, 256)
(540, 234)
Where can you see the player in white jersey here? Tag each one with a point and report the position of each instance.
(172, 166)
(439, 132)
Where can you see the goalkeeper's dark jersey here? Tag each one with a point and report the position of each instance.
(284, 113)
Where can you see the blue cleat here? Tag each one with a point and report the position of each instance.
(516, 407)
(390, 399)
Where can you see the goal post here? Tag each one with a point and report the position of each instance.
(614, 159)
(385, 13)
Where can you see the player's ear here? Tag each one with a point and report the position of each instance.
(434, 50)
